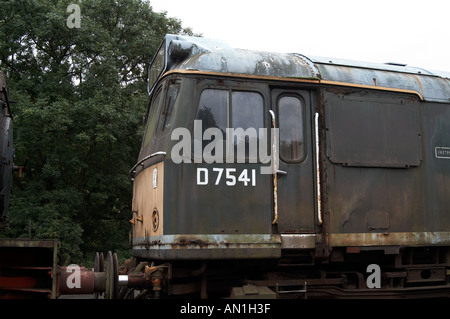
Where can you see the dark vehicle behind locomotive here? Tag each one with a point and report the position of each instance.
(6, 147)
(360, 178)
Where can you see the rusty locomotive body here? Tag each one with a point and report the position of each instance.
(358, 173)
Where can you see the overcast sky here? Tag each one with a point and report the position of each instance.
(412, 32)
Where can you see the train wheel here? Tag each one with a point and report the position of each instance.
(99, 266)
(99, 262)
(112, 276)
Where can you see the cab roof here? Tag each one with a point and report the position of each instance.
(205, 55)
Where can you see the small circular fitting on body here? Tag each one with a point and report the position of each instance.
(155, 220)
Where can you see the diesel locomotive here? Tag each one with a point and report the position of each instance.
(269, 175)
(272, 175)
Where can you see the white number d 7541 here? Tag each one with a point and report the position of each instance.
(231, 178)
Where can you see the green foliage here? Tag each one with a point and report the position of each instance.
(80, 95)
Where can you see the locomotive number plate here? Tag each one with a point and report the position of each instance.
(442, 152)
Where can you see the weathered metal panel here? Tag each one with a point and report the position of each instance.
(373, 129)
(298, 241)
(432, 86)
(148, 202)
(373, 199)
(193, 53)
(199, 54)
(208, 246)
(390, 239)
(216, 209)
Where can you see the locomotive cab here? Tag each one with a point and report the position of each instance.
(216, 169)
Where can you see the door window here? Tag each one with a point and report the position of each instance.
(290, 111)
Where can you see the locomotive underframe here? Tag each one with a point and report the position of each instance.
(408, 272)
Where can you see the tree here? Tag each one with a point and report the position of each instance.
(80, 95)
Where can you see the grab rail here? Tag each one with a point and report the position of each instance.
(133, 170)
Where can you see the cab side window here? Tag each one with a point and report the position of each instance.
(247, 113)
(213, 109)
(167, 109)
(151, 121)
(241, 112)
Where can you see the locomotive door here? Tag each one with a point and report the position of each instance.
(295, 177)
